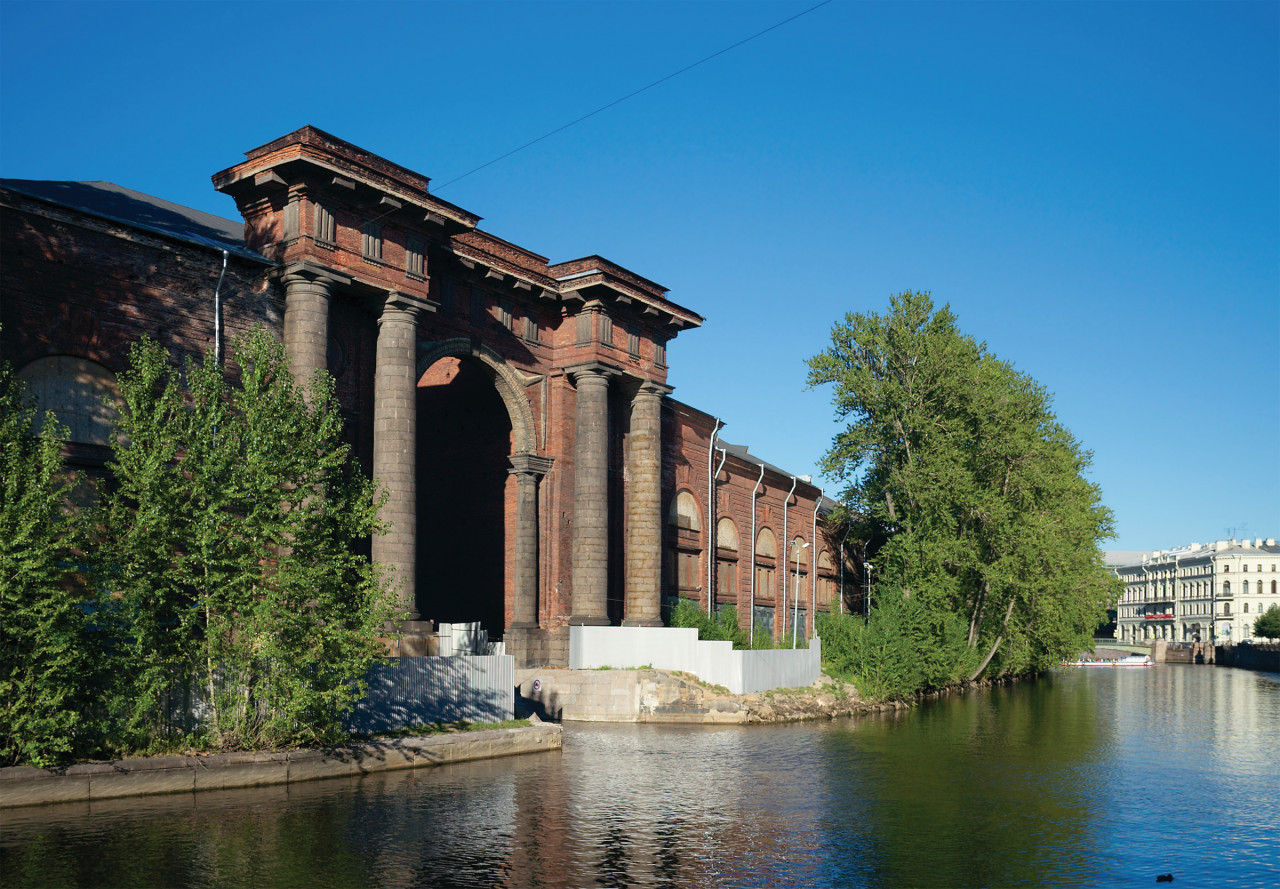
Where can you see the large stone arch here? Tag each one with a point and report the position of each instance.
(509, 382)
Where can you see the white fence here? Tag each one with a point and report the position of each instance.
(672, 648)
(421, 690)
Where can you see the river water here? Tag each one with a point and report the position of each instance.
(1085, 778)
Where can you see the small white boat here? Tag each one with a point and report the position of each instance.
(1133, 660)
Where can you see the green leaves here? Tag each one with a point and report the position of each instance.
(45, 660)
(234, 531)
(1268, 626)
(956, 461)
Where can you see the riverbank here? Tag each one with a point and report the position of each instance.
(85, 782)
(660, 696)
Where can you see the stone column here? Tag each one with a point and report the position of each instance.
(395, 392)
(306, 318)
(528, 469)
(591, 497)
(644, 508)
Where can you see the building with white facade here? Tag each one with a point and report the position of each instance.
(1201, 592)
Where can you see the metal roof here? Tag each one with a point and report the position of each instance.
(137, 210)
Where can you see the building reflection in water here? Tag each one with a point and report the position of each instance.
(1090, 777)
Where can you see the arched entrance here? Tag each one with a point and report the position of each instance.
(472, 417)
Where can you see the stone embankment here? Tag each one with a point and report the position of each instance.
(666, 697)
(26, 786)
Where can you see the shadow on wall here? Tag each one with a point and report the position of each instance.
(544, 705)
(411, 691)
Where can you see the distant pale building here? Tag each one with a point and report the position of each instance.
(1201, 592)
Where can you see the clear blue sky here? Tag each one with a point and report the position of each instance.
(1093, 187)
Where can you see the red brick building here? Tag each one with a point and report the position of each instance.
(516, 410)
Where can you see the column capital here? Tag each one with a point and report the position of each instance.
(591, 370)
(308, 272)
(637, 388)
(397, 305)
(532, 465)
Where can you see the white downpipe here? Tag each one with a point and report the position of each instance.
(715, 542)
(711, 512)
(813, 571)
(786, 543)
(751, 619)
(217, 312)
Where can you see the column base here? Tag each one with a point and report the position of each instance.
(588, 621)
(523, 625)
(647, 622)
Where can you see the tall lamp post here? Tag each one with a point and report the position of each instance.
(796, 615)
(866, 593)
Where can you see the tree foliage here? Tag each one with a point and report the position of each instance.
(956, 462)
(1268, 625)
(229, 548)
(723, 626)
(45, 664)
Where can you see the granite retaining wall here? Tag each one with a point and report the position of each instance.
(26, 786)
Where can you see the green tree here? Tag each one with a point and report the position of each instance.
(44, 659)
(231, 543)
(955, 460)
(1268, 625)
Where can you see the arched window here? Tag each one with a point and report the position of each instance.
(799, 553)
(685, 513)
(75, 389)
(726, 560)
(685, 520)
(766, 566)
(1226, 588)
(766, 545)
(826, 578)
(727, 535)
(1273, 587)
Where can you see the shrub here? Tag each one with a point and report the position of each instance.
(45, 664)
(722, 627)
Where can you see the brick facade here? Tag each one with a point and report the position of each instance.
(516, 410)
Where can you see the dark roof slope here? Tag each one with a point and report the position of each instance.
(133, 208)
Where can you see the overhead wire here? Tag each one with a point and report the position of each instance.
(631, 95)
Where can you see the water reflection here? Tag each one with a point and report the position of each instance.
(1084, 779)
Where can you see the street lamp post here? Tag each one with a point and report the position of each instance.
(866, 593)
(796, 613)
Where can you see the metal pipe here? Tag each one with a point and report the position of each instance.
(751, 619)
(786, 543)
(217, 312)
(813, 573)
(715, 542)
(711, 511)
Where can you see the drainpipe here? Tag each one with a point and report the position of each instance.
(715, 542)
(751, 618)
(711, 512)
(217, 312)
(786, 543)
(813, 570)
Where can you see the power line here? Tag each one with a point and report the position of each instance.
(630, 95)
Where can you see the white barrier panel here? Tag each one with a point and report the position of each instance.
(673, 648)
